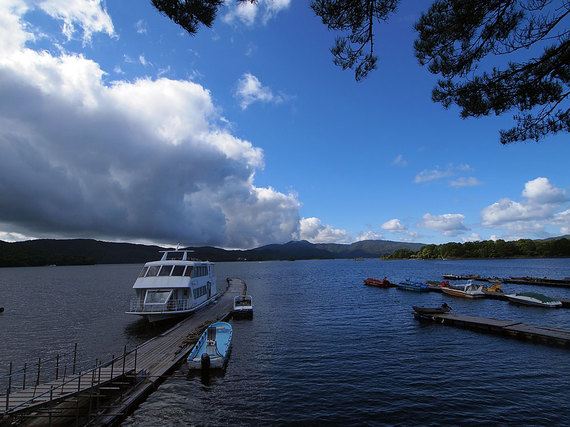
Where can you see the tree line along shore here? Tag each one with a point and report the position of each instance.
(523, 248)
(86, 251)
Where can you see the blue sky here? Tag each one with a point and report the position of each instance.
(117, 125)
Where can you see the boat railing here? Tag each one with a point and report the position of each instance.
(138, 305)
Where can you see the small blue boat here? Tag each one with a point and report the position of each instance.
(413, 286)
(213, 348)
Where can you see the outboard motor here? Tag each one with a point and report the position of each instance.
(205, 361)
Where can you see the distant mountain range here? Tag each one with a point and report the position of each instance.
(88, 251)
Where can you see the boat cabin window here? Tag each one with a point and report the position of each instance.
(198, 292)
(153, 270)
(165, 270)
(188, 271)
(178, 270)
(175, 256)
(157, 297)
(143, 271)
(200, 270)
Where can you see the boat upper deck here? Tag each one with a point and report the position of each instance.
(173, 270)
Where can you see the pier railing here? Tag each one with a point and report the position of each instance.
(50, 378)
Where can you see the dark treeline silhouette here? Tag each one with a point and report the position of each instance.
(523, 248)
(87, 251)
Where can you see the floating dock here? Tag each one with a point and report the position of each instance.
(542, 334)
(107, 393)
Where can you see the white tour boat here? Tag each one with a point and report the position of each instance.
(175, 286)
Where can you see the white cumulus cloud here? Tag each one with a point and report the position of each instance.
(248, 13)
(79, 15)
(448, 224)
(250, 90)
(313, 230)
(449, 171)
(400, 161)
(395, 226)
(144, 159)
(542, 211)
(465, 182)
(542, 201)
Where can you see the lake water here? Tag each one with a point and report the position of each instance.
(322, 348)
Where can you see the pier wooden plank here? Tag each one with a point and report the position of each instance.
(544, 331)
(546, 334)
(57, 390)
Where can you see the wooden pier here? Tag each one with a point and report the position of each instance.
(542, 334)
(106, 394)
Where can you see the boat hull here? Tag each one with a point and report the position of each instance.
(160, 316)
(462, 294)
(525, 300)
(243, 307)
(495, 295)
(414, 287)
(426, 311)
(384, 283)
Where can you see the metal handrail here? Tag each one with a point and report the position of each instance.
(73, 378)
(59, 357)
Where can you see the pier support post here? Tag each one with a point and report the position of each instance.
(136, 348)
(39, 368)
(124, 358)
(77, 401)
(50, 404)
(9, 387)
(74, 358)
(63, 379)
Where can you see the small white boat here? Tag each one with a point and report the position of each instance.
(243, 307)
(534, 299)
(213, 348)
(174, 286)
(468, 290)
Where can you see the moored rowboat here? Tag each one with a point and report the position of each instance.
(432, 310)
(413, 286)
(213, 348)
(380, 283)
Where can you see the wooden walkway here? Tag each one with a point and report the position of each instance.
(58, 390)
(543, 334)
(147, 364)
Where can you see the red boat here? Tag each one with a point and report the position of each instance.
(380, 283)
